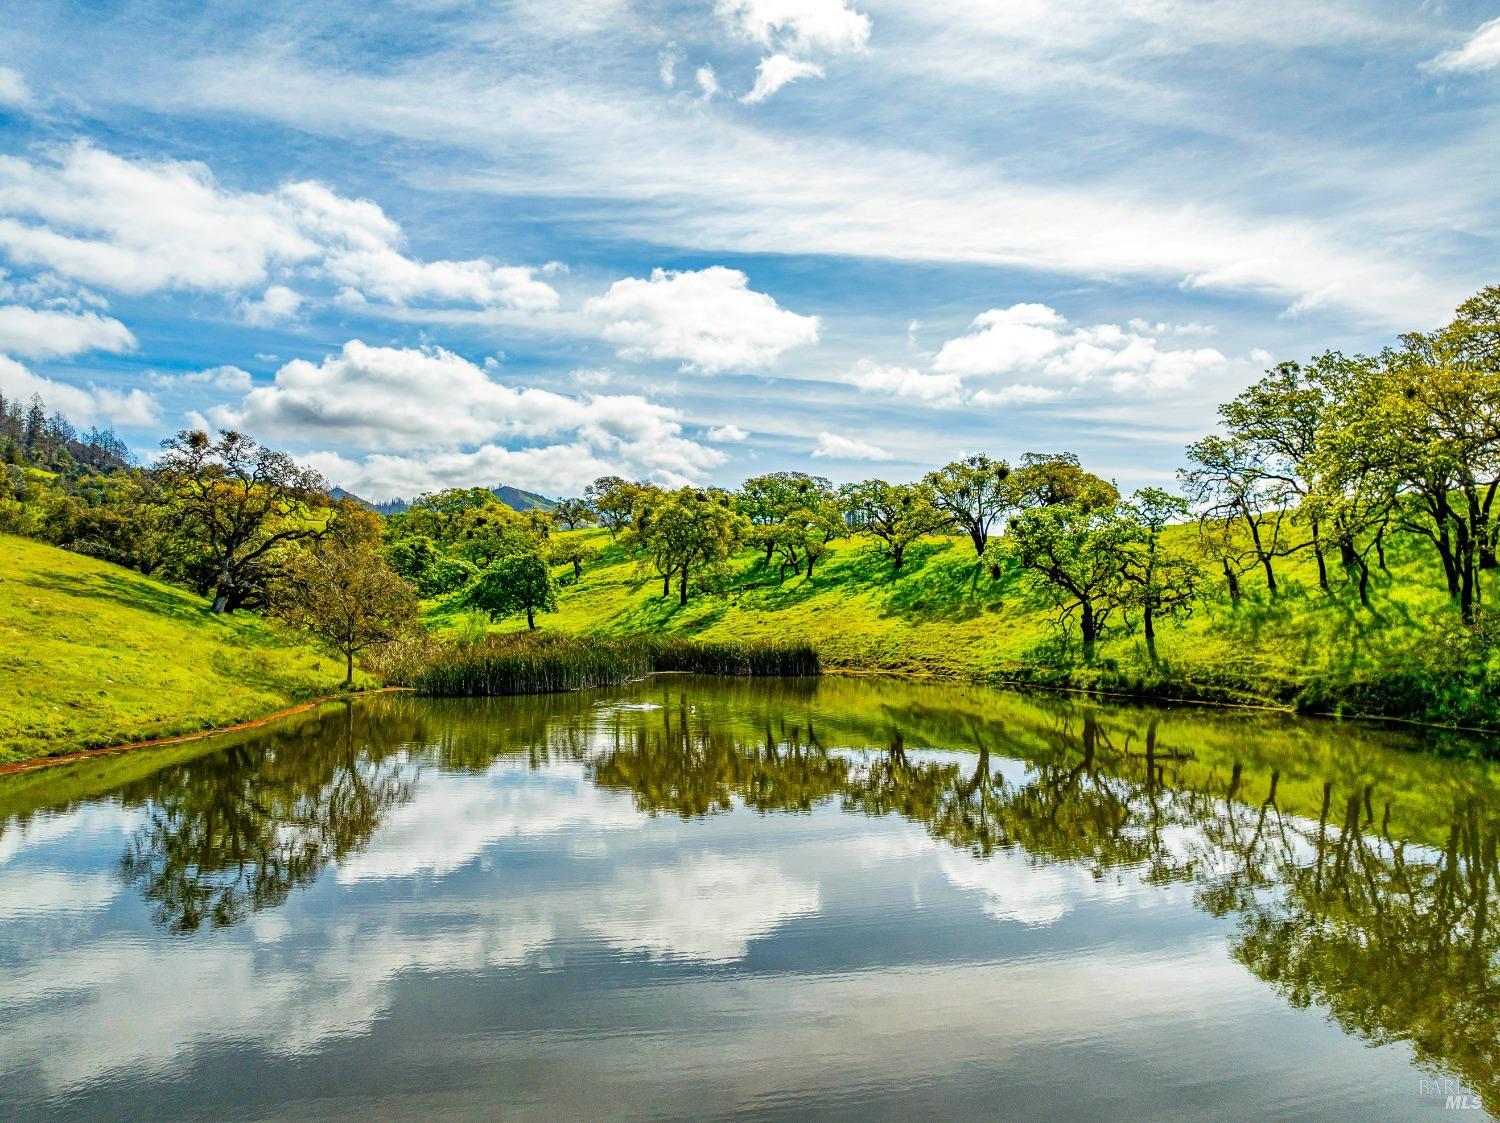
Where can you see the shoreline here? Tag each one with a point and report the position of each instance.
(18, 766)
(1015, 685)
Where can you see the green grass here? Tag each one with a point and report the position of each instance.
(1406, 655)
(92, 654)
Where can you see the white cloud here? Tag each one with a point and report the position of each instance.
(667, 66)
(831, 446)
(906, 382)
(90, 406)
(276, 304)
(710, 319)
(47, 334)
(727, 434)
(401, 398)
(708, 81)
(226, 377)
(776, 71)
(1480, 52)
(14, 93)
(452, 417)
(838, 196)
(555, 469)
(589, 376)
(1020, 392)
(138, 226)
(1035, 339)
(801, 26)
(143, 226)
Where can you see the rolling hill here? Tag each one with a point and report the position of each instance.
(93, 654)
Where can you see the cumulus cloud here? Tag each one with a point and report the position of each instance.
(144, 226)
(708, 81)
(36, 333)
(727, 434)
(831, 446)
(801, 26)
(81, 405)
(1036, 340)
(1480, 52)
(277, 304)
(906, 382)
(405, 398)
(14, 93)
(453, 416)
(556, 469)
(776, 71)
(709, 319)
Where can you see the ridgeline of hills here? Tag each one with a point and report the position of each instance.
(512, 497)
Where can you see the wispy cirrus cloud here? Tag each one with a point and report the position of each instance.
(1481, 51)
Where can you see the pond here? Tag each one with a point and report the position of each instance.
(691, 897)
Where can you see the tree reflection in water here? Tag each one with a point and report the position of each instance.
(1395, 939)
(232, 833)
(1358, 879)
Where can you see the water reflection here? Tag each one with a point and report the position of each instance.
(235, 832)
(1352, 876)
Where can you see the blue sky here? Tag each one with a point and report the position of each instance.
(450, 243)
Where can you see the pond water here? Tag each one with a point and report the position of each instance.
(692, 898)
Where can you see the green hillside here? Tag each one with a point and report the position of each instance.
(1408, 653)
(92, 654)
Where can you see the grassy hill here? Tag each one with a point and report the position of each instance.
(1407, 654)
(92, 654)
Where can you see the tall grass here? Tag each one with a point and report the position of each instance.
(544, 664)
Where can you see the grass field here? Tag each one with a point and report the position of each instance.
(1407, 654)
(92, 654)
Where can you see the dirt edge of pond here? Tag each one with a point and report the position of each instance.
(180, 738)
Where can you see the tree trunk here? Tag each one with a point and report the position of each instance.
(898, 554)
(978, 536)
(1148, 618)
(682, 587)
(666, 583)
(530, 618)
(348, 669)
(1233, 582)
(1088, 630)
(577, 569)
(809, 565)
(1317, 546)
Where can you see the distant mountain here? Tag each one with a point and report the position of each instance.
(520, 500)
(338, 493)
(512, 497)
